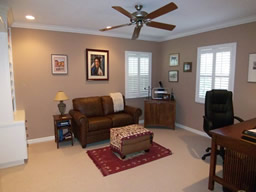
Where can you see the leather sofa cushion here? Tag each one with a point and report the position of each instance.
(99, 123)
(91, 106)
(107, 103)
(121, 119)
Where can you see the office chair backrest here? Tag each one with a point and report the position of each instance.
(219, 109)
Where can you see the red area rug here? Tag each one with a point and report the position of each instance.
(109, 162)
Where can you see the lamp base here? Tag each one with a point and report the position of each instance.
(62, 107)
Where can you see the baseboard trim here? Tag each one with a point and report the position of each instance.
(51, 138)
(186, 128)
(41, 139)
(11, 164)
(192, 130)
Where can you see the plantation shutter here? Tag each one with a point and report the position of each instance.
(138, 74)
(216, 66)
(206, 73)
(222, 69)
(133, 76)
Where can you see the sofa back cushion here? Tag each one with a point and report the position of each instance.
(107, 103)
(90, 106)
(108, 106)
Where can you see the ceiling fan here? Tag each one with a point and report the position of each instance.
(141, 17)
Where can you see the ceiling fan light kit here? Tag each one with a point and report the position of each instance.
(141, 17)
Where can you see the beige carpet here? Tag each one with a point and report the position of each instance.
(70, 169)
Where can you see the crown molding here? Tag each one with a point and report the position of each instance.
(212, 28)
(78, 30)
(126, 36)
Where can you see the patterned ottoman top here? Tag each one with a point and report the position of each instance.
(117, 135)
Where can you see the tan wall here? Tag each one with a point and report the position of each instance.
(36, 86)
(189, 113)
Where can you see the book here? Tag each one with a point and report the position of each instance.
(64, 134)
(250, 132)
(60, 135)
(249, 139)
(67, 135)
(246, 135)
(63, 124)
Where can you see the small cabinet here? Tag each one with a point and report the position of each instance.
(159, 113)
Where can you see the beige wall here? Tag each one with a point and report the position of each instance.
(189, 113)
(36, 86)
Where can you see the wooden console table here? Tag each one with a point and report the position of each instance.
(239, 169)
(159, 113)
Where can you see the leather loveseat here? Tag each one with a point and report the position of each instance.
(93, 117)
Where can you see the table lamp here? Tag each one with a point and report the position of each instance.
(61, 96)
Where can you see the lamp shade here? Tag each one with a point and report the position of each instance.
(61, 96)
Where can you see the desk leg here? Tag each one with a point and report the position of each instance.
(212, 164)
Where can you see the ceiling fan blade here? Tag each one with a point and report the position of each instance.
(123, 11)
(161, 25)
(114, 27)
(163, 10)
(136, 32)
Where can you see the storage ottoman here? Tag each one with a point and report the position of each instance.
(130, 139)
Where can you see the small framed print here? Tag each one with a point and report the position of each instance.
(59, 64)
(187, 67)
(173, 76)
(174, 59)
(252, 68)
(97, 64)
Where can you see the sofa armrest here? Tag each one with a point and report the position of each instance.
(134, 112)
(80, 126)
(78, 117)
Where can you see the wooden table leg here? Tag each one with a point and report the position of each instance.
(212, 164)
(55, 130)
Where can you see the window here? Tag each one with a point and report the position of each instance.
(215, 69)
(137, 74)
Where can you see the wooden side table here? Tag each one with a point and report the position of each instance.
(63, 123)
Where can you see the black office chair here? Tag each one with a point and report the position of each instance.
(218, 113)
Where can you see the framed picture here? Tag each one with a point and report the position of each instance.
(187, 67)
(174, 59)
(173, 76)
(97, 64)
(252, 68)
(59, 64)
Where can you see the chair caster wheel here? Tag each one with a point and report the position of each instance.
(208, 149)
(203, 158)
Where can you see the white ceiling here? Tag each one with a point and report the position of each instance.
(88, 16)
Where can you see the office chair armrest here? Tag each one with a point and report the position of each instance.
(209, 122)
(238, 118)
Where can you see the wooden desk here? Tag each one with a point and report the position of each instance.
(159, 113)
(240, 157)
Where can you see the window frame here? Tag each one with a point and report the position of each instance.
(214, 50)
(139, 55)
